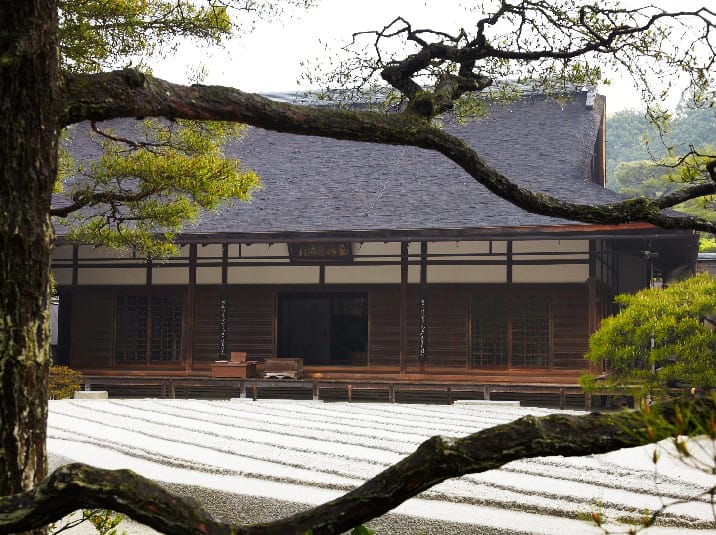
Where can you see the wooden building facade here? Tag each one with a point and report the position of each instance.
(377, 261)
(442, 308)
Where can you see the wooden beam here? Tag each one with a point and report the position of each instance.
(403, 307)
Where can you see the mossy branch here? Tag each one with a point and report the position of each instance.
(109, 95)
(79, 486)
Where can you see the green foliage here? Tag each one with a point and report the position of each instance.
(632, 139)
(141, 193)
(105, 522)
(63, 382)
(707, 244)
(147, 185)
(362, 530)
(658, 339)
(96, 34)
(649, 178)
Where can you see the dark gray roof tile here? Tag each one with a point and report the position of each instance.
(313, 184)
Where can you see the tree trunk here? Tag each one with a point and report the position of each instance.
(28, 167)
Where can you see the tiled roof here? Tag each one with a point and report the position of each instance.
(313, 184)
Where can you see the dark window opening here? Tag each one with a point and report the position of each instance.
(324, 329)
(148, 328)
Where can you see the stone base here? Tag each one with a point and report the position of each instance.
(91, 394)
(506, 403)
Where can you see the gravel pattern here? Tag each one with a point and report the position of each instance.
(243, 459)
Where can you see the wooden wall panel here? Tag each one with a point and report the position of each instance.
(447, 328)
(250, 322)
(206, 325)
(384, 328)
(570, 329)
(92, 335)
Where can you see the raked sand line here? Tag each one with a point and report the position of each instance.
(332, 447)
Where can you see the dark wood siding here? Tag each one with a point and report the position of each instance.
(92, 329)
(250, 322)
(447, 328)
(570, 328)
(384, 329)
(206, 324)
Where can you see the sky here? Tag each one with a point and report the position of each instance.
(270, 58)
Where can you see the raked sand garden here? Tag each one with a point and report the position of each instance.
(255, 460)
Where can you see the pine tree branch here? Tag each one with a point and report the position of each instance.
(439, 458)
(130, 93)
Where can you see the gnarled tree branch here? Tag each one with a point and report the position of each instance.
(130, 93)
(437, 459)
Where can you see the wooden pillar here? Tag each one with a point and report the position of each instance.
(509, 262)
(148, 352)
(423, 309)
(223, 301)
(403, 307)
(188, 323)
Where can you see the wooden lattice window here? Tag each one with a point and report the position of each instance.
(148, 329)
(530, 331)
(489, 331)
(131, 328)
(510, 331)
(166, 328)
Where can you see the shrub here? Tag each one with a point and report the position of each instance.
(660, 338)
(63, 382)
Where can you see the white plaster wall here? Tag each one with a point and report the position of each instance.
(208, 275)
(550, 274)
(379, 248)
(63, 276)
(460, 247)
(212, 250)
(62, 252)
(367, 274)
(170, 275)
(467, 274)
(273, 275)
(89, 252)
(278, 252)
(124, 276)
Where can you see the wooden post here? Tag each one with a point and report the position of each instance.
(75, 264)
(486, 392)
(223, 301)
(391, 392)
(423, 309)
(316, 391)
(403, 307)
(588, 402)
(188, 323)
(561, 399)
